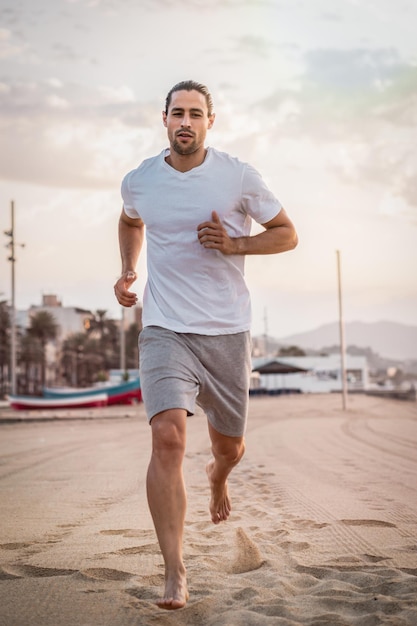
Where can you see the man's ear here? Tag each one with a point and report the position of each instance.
(212, 117)
(164, 118)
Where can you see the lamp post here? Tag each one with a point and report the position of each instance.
(341, 333)
(12, 259)
(123, 344)
(266, 346)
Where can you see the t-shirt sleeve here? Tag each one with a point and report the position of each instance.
(128, 204)
(258, 201)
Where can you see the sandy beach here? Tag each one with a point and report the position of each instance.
(323, 530)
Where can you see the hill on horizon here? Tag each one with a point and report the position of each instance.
(387, 339)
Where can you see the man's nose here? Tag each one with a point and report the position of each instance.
(186, 120)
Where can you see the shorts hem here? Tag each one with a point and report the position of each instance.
(223, 432)
(161, 409)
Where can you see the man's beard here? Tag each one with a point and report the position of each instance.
(180, 149)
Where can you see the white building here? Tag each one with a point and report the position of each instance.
(69, 320)
(319, 374)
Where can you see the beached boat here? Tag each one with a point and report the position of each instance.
(75, 402)
(125, 392)
(396, 394)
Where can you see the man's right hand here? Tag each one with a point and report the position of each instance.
(121, 289)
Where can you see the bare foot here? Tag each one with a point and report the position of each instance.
(220, 506)
(176, 593)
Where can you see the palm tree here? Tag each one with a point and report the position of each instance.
(291, 351)
(80, 360)
(98, 323)
(132, 349)
(106, 332)
(4, 348)
(43, 328)
(30, 362)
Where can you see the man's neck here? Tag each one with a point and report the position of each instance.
(186, 162)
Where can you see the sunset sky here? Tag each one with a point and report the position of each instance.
(319, 95)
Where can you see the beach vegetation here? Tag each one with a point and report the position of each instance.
(291, 351)
(42, 328)
(4, 347)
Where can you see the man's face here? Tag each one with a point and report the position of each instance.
(187, 121)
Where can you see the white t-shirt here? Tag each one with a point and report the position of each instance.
(192, 289)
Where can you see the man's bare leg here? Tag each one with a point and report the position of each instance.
(167, 501)
(227, 452)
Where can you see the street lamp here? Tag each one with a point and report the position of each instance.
(341, 333)
(12, 259)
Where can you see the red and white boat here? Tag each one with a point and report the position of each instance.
(125, 392)
(27, 403)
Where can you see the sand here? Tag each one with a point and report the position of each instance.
(323, 530)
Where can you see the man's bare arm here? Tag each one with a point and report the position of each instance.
(279, 236)
(131, 234)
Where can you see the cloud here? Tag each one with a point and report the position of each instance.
(356, 105)
(252, 45)
(364, 104)
(331, 16)
(157, 5)
(65, 52)
(72, 136)
(347, 70)
(9, 48)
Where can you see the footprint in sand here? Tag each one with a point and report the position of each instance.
(309, 524)
(294, 546)
(245, 594)
(146, 589)
(146, 549)
(247, 556)
(367, 522)
(5, 574)
(32, 571)
(374, 558)
(129, 532)
(68, 525)
(14, 546)
(103, 573)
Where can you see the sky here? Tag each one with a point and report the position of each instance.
(319, 95)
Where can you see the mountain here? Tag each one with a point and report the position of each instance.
(387, 339)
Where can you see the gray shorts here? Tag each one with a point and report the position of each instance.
(178, 370)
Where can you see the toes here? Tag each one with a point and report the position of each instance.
(171, 604)
(221, 514)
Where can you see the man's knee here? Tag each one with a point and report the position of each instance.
(230, 449)
(168, 432)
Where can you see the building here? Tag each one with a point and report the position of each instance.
(318, 374)
(69, 320)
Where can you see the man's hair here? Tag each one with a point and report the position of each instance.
(190, 85)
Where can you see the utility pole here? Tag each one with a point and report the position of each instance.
(341, 333)
(123, 344)
(266, 346)
(12, 259)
